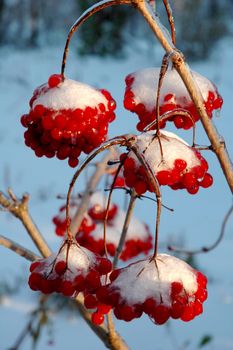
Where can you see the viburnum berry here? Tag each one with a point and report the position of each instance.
(161, 287)
(171, 159)
(66, 118)
(140, 97)
(72, 270)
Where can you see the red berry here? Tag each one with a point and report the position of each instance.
(176, 288)
(180, 164)
(54, 80)
(34, 265)
(97, 318)
(149, 306)
(79, 283)
(140, 187)
(114, 274)
(161, 314)
(93, 280)
(104, 266)
(189, 180)
(177, 309)
(60, 267)
(188, 313)
(90, 301)
(207, 181)
(164, 177)
(103, 308)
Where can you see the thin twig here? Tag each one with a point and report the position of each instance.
(170, 20)
(128, 217)
(211, 247)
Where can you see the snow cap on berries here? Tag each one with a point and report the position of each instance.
(141, 91)
(70, 94)
(172, 161)
(72, 270)
(138, 238)
(66, 118)
(162, 287)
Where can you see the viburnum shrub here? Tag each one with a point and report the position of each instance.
(67, 118)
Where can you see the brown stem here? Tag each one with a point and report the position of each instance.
(90, 188)
(108, 206)
(184, 72)
(88, 13)
(211, 247)
(19, 208)
(18, 249)
(128, 217)
(171, 20)
(154, 182)
(163, 70)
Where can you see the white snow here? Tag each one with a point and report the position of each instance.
(173, 147)
(144, 279)
(145, 86)
(70, 94)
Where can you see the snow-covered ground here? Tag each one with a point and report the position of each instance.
(197, 219)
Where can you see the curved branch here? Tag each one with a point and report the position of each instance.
(211, 247)
(88, 13)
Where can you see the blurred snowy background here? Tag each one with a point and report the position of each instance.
(32, 35)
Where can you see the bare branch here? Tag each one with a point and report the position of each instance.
(18, 249)
(19, 208)
(125, 227)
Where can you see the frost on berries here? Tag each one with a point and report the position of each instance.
(161, 287)
(175, 164)
(67, 118)
(74, 269)
(140, 97)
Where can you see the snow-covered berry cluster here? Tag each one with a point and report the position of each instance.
(90, 233)
(140, 97)
(172, 160)
(161, 287)
(74, 269)
(138, 239)
(66, 118)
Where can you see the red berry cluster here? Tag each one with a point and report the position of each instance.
(90, 232)
(131, 249)
(172, 299)
(66, 132)
(170, 102)
(74, 269)
(98, 213)
(181, 174)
